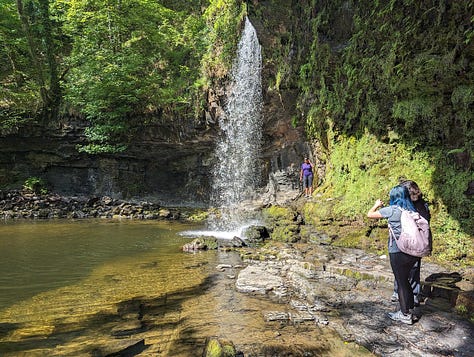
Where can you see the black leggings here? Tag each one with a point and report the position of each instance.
(401, 265)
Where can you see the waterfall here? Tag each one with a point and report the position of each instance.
(236, 172)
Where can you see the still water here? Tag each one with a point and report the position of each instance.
(39, 256)
(98, 288)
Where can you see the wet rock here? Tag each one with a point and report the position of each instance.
(256, 234)
(351, 291)
(256, 279)
(164, 213)
(223, 266)
(203, 243)
(276, 316)
(131, 350)
(235, 242)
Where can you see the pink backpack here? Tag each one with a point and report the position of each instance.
(415, 236)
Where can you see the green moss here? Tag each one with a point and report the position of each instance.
(385, 103)
(357, 274)
(198, 215)
(286, 233)
(214, 349)
(210, 243)
(319, 212)
(354, 182)
(276, 213)
(224, 19)
(220, 348)
(352, 240)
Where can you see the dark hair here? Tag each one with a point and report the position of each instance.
(413, 189)
(399, 196)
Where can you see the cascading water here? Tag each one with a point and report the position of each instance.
(236, 172)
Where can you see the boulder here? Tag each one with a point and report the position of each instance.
(202, 243)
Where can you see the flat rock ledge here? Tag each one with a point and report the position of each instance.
(349, 291)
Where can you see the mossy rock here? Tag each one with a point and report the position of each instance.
(201, 243)
(352, 237)
(320, 211)
(219, 348)
(274, 215)
(286, 233)
(256, 233)
(197, 215)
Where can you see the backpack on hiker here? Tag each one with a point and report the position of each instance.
(415, 234)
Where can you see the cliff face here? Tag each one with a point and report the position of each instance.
(152, 166)
(174, 173)
(169, 171)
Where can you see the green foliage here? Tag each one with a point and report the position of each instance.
(278, 213)
(353, 183)
(386, 88)
(224, 19)
(121, 65)
(129, 59)
(19, 91)
(100, 138)
(402, 69)
(35, 184)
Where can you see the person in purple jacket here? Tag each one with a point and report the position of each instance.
(306, 176)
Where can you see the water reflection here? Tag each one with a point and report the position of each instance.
(38, 256)
(100, 288)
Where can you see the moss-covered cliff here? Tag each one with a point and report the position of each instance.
(386, 91)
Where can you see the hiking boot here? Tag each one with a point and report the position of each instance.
(400, 316)
(415, 314)
(394, 297)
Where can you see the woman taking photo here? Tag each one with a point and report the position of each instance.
(400, 262)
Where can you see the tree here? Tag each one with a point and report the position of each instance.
(38, 30)
(129, 59)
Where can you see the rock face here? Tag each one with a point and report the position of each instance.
(154, 165)
(173, 173)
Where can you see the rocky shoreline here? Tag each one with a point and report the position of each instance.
(349, 291)
(29, 205)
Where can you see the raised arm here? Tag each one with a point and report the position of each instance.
(373, 213)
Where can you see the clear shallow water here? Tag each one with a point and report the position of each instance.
(38, 256)
(94, 288)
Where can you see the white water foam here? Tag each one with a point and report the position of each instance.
(220, 234)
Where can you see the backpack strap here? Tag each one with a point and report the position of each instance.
(391, 234)
(390, 230)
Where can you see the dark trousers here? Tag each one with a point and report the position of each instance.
(414, 279)
(401, 266)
